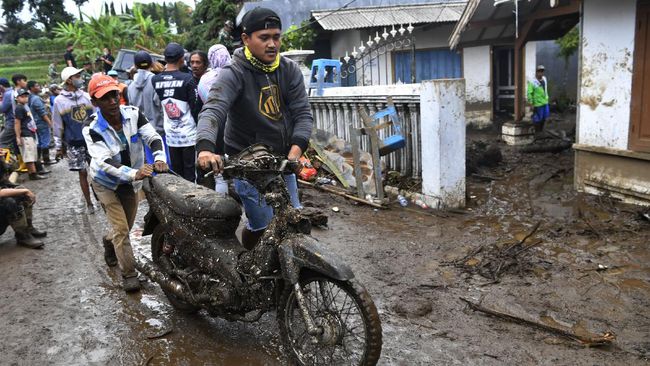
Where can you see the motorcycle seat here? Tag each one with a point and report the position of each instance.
(191, 200)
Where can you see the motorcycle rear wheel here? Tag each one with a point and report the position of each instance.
(158, 239)
(347, 315)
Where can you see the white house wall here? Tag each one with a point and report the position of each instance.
(478, 93)
(606, 73)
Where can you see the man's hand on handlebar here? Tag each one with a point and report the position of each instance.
(209, 161)
(145, 171)
(160, 167)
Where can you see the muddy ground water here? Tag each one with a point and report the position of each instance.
(589, 270)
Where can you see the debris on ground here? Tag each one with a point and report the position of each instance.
(577, 332)
(481, 154)
(316, 217)
(491, 261)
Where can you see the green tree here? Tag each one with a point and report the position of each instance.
(107, 11)
(79, 3)
(113, 12)
(49, 12)
(568, 43)
(15, 30)
(298, 38)
(207, 21)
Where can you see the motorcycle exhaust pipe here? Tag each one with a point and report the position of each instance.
(151, 270)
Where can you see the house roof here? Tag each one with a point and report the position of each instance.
(483, 22)
(377, 16)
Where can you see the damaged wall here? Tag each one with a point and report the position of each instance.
(606, 73)
(478, 93)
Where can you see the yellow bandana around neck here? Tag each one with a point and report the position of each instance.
(267, 68)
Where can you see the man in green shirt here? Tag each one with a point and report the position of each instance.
(87, 74)
(537, 96)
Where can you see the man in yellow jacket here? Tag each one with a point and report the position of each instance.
(537, 96)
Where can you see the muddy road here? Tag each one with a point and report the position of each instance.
(63, 306)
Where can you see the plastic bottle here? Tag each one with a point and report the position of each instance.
(323, 180)
(421, 204)
(220, 185)
(402, 201)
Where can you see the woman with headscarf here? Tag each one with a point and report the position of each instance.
(218, 57)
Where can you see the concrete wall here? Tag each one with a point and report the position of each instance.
(477, 67)
(530, 60)
(442, 108)
(606, 73)
(562, 75)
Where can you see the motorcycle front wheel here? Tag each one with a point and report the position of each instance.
(350, 328)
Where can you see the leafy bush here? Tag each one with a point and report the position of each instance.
(568, 43)
(298, 38)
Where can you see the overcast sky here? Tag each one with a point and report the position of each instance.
(94, 7)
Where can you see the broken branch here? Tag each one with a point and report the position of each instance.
(606, 338)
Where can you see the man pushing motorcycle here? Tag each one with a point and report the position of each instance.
(259, 98)
(114, 136)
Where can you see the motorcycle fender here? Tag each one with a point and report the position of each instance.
(150, 223)
(303, 251)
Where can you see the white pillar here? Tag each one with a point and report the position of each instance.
(478, 92)
(442, 109)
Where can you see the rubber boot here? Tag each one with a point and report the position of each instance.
(36, 176)
(109, 253)
(131, 284)
(249, 239)
(23, 237)
(46, 157)
(22, 168)
(40, 169)
(32, 230)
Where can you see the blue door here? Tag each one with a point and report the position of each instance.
(429, 64)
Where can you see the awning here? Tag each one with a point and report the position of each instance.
(484, 23)
(378, 16)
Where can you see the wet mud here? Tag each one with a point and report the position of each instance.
(591, 270)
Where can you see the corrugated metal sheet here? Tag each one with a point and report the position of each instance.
(377, 16)
(429, 65)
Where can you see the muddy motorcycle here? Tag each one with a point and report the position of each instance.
(325, 316)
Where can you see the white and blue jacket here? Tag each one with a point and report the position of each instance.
(110, 166)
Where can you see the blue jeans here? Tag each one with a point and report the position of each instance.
(44, 136)
(259, 214)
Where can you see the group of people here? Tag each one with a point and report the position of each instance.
(116, 136)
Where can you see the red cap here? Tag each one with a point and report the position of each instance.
(102, 84)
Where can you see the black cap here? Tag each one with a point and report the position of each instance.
(260, 18)
(4, 82)
(142, 60)
(174, 51)
(21, 91)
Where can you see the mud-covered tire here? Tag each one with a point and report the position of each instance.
(157, 241)
(364, 303)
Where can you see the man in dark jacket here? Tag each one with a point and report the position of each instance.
(260, 98)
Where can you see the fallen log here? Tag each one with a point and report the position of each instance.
(589, 340)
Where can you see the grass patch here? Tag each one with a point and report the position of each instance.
(34, 70)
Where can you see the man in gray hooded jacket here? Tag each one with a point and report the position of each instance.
(260, 98)
(142, 95)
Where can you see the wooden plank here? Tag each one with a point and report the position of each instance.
(374, 151)
(355, 135)
(342, 194)
(639, 135)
